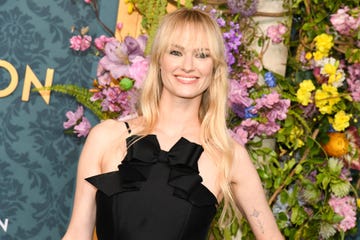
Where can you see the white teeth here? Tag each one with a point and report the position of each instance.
(187, 78)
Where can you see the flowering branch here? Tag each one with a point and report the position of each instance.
(97, 15)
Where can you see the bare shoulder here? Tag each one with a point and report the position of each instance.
(241, 154)
(108, 129)
(105, 144)
(242, 166)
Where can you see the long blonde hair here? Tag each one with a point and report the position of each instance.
(214, 135)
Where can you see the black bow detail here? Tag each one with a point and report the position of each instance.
(145, 151)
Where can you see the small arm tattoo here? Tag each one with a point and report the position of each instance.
(256, 214)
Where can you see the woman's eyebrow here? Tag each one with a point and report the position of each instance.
(177, 46)
(195, 50)
(202, 50)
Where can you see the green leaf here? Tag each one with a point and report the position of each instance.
(298, 215)
(335, 166)
(340, 188)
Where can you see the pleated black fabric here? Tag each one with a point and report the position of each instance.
(155, 194)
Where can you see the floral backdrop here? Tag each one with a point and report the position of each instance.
(310, 113)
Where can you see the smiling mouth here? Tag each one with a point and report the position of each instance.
(187, 80)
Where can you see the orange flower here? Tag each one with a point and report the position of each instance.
(338, 145)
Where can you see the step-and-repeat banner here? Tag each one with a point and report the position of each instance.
(37, 160)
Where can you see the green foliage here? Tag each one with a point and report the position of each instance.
(82, 96)
(152, 11)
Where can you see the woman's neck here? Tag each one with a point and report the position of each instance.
(177, 118)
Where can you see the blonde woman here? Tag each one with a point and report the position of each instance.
(161, 175)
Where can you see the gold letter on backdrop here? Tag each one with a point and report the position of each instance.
(14, 78)
(30, 77)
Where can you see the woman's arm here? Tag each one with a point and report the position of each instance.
(82, 221)
(250, 197)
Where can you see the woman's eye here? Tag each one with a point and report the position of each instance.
(175, 53)
(202, 55)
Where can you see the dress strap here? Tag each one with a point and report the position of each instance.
(128, 127)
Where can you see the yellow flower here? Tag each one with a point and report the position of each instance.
(308, 55)
(324, 43)
(303, 94)
(330, 69)
(295, 135)
(326, 98)
(130, 6)
(341, 120)
(319, 55)
(358, 202)
(337, 79)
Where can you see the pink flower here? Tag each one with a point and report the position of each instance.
(87, 1)
(80, 43)
(138, 71)
(346, 208)
(250, 126)
(239, 135)
(101, 41)
(343, 22)
(269, 128)
(238, 94)
(73, 117)
(83, 128)
(354, 81)
(276, 32)
(248, 78)
(119, 26)
(273, 107)
(103, 76)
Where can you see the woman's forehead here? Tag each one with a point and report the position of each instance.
(189, 37)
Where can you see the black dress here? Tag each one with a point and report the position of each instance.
(155, 194)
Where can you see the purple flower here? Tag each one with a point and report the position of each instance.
(270, 79)
(309, 110)
(83, 128)
(73, 117)
(135, 47)
(246, 8)
(232, 40)
(221, 22)
(238, 109)
(120, 55)
(116, 59)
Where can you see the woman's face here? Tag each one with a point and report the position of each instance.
(187, 65)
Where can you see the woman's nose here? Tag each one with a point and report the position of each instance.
(187, 64)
